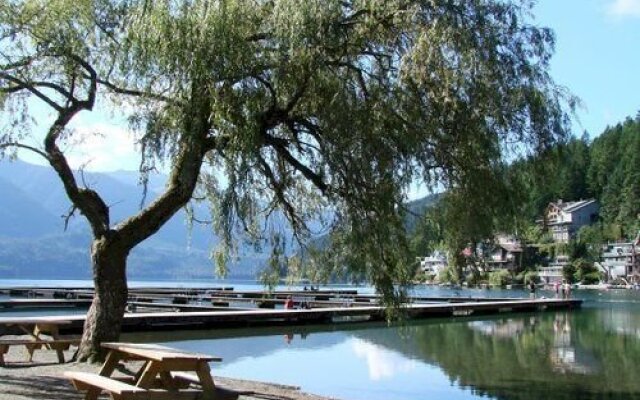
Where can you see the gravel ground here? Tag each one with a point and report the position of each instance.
(43, 379)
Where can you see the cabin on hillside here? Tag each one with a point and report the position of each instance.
(433, 264)
(564, 219)
(621, 260)
(504, 253)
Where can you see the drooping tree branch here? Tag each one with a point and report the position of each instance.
(279, 190)
(179, 189)
(194, 144)
(87, 200)
(280, 146)
(20, 85)
(137, 93)
(25, 147)
(23, 85)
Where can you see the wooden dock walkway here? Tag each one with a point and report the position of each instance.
(226, 295)
(256, 317)
(44, 303)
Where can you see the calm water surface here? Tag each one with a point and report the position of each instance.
(592, 353)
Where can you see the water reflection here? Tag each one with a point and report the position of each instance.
(587, 354)
(565, 357)
(505, 328)
(382, 363)
(549, 356)
(621, 322)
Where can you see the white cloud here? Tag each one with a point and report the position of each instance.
(624, 8)
(103, 147)
(382, 363)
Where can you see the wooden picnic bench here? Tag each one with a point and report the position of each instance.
(59, 345)
(35, 328)
(120, 390)
(161, 376)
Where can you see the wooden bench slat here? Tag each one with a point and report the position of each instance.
(156, 352)
(59, 345)
(86, 380)
(186, 377)
(11, 342)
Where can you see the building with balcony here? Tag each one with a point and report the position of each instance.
(621, 260)
(552, 273)
(564, 219)
(505, 253)
(433, 264)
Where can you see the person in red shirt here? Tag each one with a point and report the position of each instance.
(288, 303)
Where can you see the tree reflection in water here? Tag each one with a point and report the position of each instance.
(546, 356)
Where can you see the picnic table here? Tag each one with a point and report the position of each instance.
(164, 374)
(35, 328)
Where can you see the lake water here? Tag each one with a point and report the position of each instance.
(592, 353)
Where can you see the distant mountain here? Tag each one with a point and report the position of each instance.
(39, 183)
(132, 178)
(416, 208)
(414, 211)
(34, 244)
(14, 222)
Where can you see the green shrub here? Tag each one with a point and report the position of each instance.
(500, 278)
(569, 272)
(448, 275)
(586, 272)
(475, 278)
(592, 278)
(531, 276)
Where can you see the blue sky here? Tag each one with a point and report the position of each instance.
(597, 57)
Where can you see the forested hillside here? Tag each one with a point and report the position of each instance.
(607, 169)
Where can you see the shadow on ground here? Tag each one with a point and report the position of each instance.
(36, 387)
(55, 388)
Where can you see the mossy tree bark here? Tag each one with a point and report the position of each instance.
(109, 260)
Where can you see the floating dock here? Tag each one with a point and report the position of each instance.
(43, 303)
(206, 309)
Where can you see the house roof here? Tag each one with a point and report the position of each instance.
(511, 247)
(572, 206)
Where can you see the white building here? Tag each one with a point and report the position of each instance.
(621, 260)
(553, 272)
(433, 264)
(563, 219)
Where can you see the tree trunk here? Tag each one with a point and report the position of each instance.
(104, 319)
(460, 263)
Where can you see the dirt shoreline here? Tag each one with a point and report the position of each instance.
(43, 379)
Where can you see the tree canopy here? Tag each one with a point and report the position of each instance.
(291, 106)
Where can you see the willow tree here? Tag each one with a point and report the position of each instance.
(288, 105)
